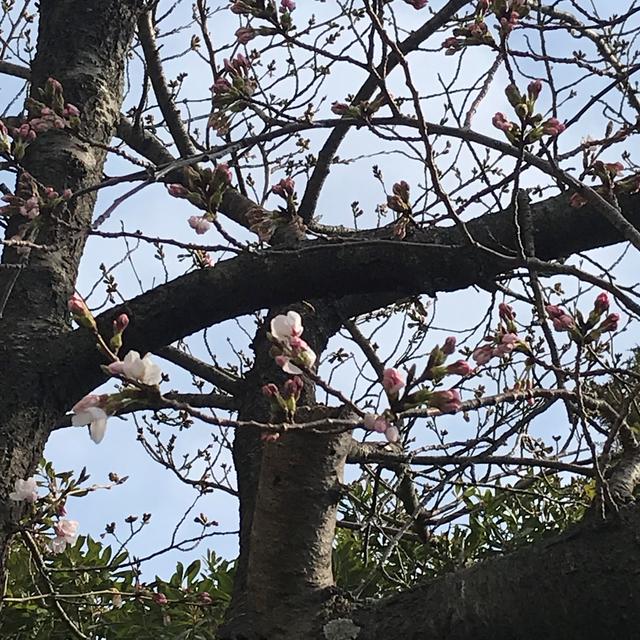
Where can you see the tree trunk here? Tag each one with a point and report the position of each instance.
(83, 45)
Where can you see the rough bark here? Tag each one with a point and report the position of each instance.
(584, 584)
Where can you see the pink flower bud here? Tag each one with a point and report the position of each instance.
(205, 598)
(339, 108)
(223, 173)
(77, 306)
(287, 5)
(160, 598)
(506, 312)
(553, 127)
(482, 354)
(601, 305)
(71, 111)
(54, 85)
(245, 34)
(449, 346)
(610, 323)
(500, 122)
(177, 190)
(534, 89)
(293, 387)
(392, 381)
(270, 390)
(459, 368)
(446, 401)
(120, 323)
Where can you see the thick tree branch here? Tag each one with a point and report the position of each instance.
(438, 259)
(583, 584)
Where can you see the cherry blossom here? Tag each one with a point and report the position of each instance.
(133, 367)
(199, 224)
(66, 533)
(90, 410)
(392, 381)
(379, 424)
(24, 490)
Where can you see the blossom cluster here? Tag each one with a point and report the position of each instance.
(532, 126)
(65, 530)
(504, 341)
(204, 188)
(289, 349)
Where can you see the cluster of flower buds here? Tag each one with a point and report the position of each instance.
(362, 110)
(585, 330)
(284, 401)
(399, 201)
(532, 125)
(437, 368)
(80, 312)
(266, 10)
(504, 341)
(205, 189)
(382, 424)
(445, 401)
(51, 112)
(289, 349)
(33, 198)
(232, 89)
(474, 33)
(508, 14)
(286, 189)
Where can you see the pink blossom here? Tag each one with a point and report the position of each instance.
(31, 208)
(24, 490)
(392, 381)
(199, 224)
(283, 328)
(459, 368)
(245, 35)
(508, 342)
(482, 354)
(287, 5)
(418, 4)
(500, 122)
(205, 598)
(66, 533)
(562, 321)
(392, 434)
(506, 312)
(379, 424)
(160, 598)
(221, 85)
(446, 401)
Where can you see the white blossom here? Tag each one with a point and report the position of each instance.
(142, 370)
(24, 490)
(66, 533)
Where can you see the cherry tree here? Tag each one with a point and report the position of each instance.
(422, 217)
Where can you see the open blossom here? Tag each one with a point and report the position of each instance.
(90, 410)
(142, 370)
(24, 490)
(199, 224)
(286, 331)
(392, 381)
(379, 424)
(283, 328)
(66, 533)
